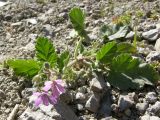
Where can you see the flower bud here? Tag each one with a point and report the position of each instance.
(36, 78)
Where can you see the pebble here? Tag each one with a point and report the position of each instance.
(151, 97)
(155, 109)
(97, 85)
(151, 35)
(148, 117)
(157, 45)
(125, 102)
(153, 56)
(2, 94)
(92, 103)
(141, 107)
(80, 96)
(80, 107)
(130, 35)
(32, 21)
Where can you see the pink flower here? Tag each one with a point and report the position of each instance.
(44, 98)
(56, 87)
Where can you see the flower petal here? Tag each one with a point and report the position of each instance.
(38, 101)
(59, 81)
(60, 88)
(53, 100)
(55, 92)
(36, 94)
(45, 99)
(48, 85)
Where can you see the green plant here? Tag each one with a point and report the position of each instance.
(114, 59)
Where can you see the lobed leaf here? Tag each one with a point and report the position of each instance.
(63, 60)
(45, 51)
(112, 49)
(27, 68)
(129, 73)
(77, 17)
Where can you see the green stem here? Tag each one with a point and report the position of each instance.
(79, 43)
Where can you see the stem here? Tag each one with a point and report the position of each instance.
(79, 43)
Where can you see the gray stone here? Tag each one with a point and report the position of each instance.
(57, 112)
(32, 21)
(151, 97)
(97, 85)
(153, 56)
(130, 35)
(38, 115)
(2, 95)
(158, 26)
(17, 24)
(151, 35)
(125, 102)
(82, 89)
(93, 103)
(155, 109)
(108, 118)
(68, 96)
(3, 3)
(148, 117)
(157, 45)
(27, 92)
(80, 107)
(141, 107)
(80, 96)
(105, 105)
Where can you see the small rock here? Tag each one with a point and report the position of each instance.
(8, 17)
(80, 96)
(151, 35)
(108, 118)
(154, 108)
(97, 85)
(7, 111)
(32, 21)
(130, 35)
(158, 26)
(153, 56)
(148, 117)
(157, 45)
(105, 107)
(141, 107)
(82, 89)
(80, 107)
(48, 30)
(151, 97)
(114, 108)
(3, 3)
(125, 102)
(27, 92)
(17, 24)
(68, 96)
(93, 103)
(2, 95)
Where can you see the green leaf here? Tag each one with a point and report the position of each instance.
(120, 34)
(107, 52)
(129, 73)
(112, 49)
(77, 18)
(125, 47)
(27, 68)
(63, 60)
(45, 51)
